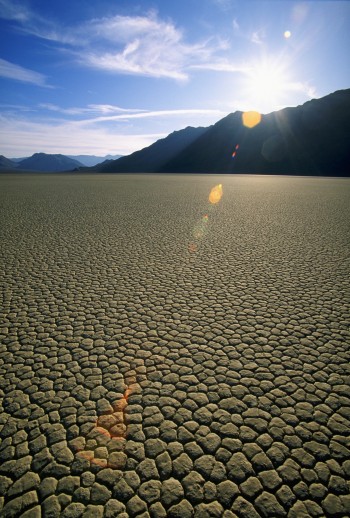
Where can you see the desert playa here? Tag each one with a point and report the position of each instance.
(174, 346)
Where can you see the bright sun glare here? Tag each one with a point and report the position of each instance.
(267, 83)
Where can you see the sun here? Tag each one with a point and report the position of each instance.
(266, 85)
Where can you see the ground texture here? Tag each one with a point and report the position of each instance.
(162, 355)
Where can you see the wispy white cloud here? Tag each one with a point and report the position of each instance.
(145, 45)
(31, 22)
(12, 10)
(258, 37)
(111, 113)
(91, 108)
(137, 45)
(305, 88)
(116, 132)
(15, 108)
(222, 65)
(13, 71)
(136, 62)
(21, 137)
(152, 115)
(235, 24)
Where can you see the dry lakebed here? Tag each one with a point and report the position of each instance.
(174, 346)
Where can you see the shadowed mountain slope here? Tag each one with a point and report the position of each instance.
(312, 139)
(6, 163)
(153, 158)
(92, 160)
(50, 163)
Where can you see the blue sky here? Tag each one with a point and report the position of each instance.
(113, 76)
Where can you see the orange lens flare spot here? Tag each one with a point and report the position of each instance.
(110, 430)
(251, 119)
(215, 194)
(88, 455)
(128, 392)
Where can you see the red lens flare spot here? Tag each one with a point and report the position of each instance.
(235, 151)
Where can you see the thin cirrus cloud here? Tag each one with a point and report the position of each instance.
(111, 113)
(30, 22)
(11, 10)
(100, 135)
(146, 45)
(19, 73)
(258, 37)
(134, 45)
(222, 65)
(103, 109)
(20, 137)
(153, 114)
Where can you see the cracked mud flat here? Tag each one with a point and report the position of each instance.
(162, 356)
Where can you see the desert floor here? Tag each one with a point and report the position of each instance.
(162, 355)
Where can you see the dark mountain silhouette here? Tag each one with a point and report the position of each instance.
(92, 160)
(154, 157)
(85, 160)
(17, 160)
(49, 163)
(312, 139)
(6, 163)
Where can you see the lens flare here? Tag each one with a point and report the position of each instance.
(287, 34)
(110, 430)
(215, 194)
(201, 227)
(251, 119)
(235, 151)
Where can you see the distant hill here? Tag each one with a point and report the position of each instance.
(84, 160)
(91, 160)
(6, 163)
(49, 163)
(312, 139)
(154, 157)
(17, 160)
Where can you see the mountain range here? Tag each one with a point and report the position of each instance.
(311, 139)
(53, 163)
(91, 160)
(153, 157)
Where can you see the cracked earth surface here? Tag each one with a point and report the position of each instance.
(164, 356)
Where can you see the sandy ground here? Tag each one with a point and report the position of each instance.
(162, 355)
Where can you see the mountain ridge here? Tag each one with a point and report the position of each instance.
(44, 162)
(7, 163)
(92, 160)
(309, 139)
(153, 157)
